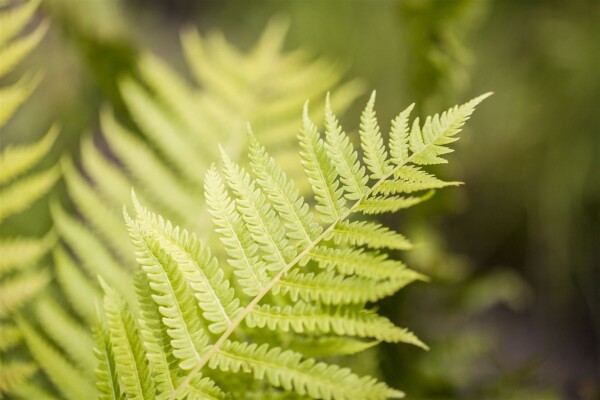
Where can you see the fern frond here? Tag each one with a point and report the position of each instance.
(269, 87)
(301, 277)
(287, 369)
(165, 105)
(321, 172)
(95, 242)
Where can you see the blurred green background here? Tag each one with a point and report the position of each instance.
(513, 307)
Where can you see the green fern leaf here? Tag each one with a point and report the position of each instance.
(173, 295)
(131, 364)
(21, 279)
(376, 156)
(262, 222)
(249, 270)
(386, 204)
(428, 144)
(350, 261)
(307, 319)
(330, 288)
(342, 153)
(399, 136)
(203, 388)
(286, 199)
(411, 179)
(156, 339)
(287, 369)
(176, 107)
(371, 234)
(190, 316)
(321, 174)
(215, 296)
(107, 381)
